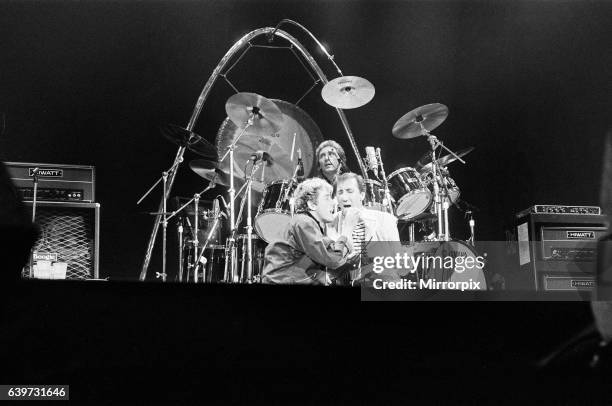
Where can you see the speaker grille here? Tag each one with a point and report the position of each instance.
(69, 233)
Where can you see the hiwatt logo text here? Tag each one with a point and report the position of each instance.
(48, 172)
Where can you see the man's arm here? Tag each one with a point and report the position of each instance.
(321, 249)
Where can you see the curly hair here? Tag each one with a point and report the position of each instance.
(308, 191)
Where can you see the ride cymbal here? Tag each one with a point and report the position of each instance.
(413, 123)
(348, 92)
(192, 141)
(267, 117)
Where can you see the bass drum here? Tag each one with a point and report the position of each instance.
(451, 261)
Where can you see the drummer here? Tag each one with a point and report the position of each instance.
(301, 256)
(331, 160)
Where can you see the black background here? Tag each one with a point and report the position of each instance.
(527, 84)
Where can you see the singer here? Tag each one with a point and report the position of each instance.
(362, 226)
(304, 252)
(332, 160)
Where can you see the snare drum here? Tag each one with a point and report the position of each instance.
(274, 212)
(259, 246)
(453, 189)
(411, 196)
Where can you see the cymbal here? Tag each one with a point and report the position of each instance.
(185, 138)
(267, 117)
(299, 132)
(424, 164)
(209, 170)
(428, 116)
(348, 92)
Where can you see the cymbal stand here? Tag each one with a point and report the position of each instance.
(180, 243)
(433, 142)
(230, 260)
(170, 173)
(249, 228)
(441, 207)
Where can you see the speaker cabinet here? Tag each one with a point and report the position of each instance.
(68, 246)
(558, 252)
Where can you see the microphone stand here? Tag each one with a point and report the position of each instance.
(387, 202)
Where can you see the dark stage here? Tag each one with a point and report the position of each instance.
(527, 83)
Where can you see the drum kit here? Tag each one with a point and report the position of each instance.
(259, 150)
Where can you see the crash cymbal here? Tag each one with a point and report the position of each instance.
(424, 164)
(427, 117)
(267, 118)
(348, 92)
(185, 138)
(209, 170)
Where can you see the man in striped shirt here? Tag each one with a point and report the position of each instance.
(359, 224)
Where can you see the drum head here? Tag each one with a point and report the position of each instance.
(458, 263)
(413, 204)
(272, 225)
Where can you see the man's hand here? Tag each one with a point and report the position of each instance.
(343, 244)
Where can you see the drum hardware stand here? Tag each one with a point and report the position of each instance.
(167, 217)
(164, 179)
(441, 207)
(200, 258)
(230, 259)
(180, 233)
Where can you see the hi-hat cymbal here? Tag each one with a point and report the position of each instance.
(185, 138)
(348, 92)
(267, 117)
(424, 164)
(209, 170)
(426, 117)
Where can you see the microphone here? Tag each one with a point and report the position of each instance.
(299, 171)
(371, 159)
(262, 156)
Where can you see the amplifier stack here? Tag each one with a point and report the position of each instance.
(68, 218)
(557, 247)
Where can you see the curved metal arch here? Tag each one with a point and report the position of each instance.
(240, 44)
